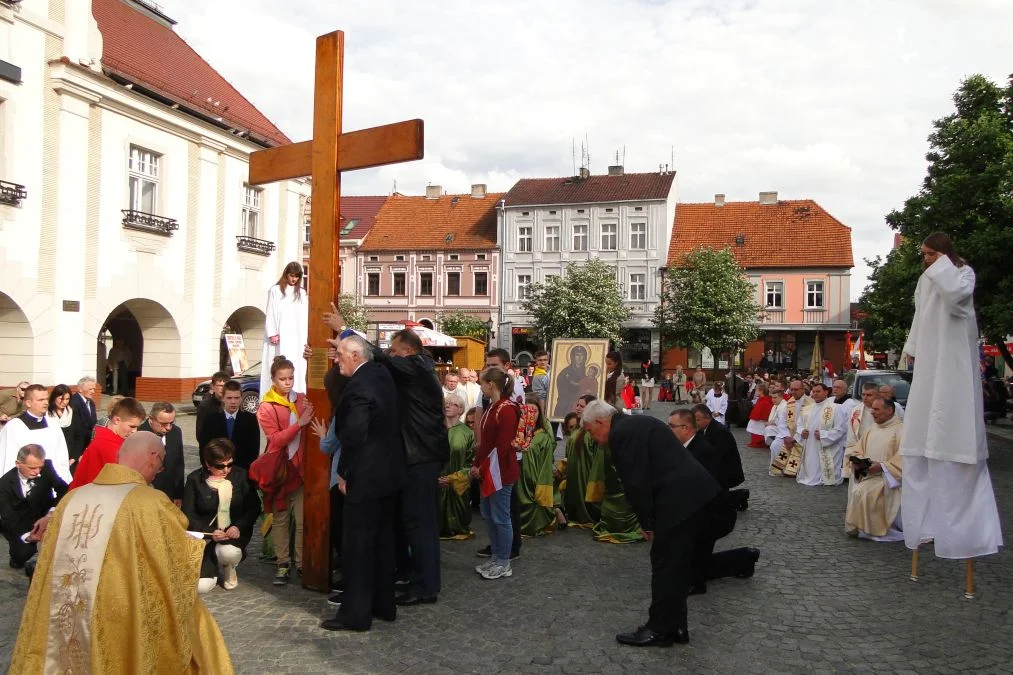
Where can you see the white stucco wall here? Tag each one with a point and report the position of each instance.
(65, 134)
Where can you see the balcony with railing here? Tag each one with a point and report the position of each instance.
(773, 315)
(254, 245)
(12, 194)
(149, 222)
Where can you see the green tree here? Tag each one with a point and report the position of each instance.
(585, 302)
(887, 300)
(967, 193)
(708, 302)
(459, 324)
(354, 313)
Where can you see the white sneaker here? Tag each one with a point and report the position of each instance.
(231, 579)
(482, 567)
(496, 571)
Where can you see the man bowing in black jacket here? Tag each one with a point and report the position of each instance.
(371, 470)
(427, 450)
(728, 462)
(667, 489)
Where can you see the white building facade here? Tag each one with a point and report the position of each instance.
(625, 220)
(135, 221)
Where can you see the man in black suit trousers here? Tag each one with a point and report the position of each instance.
(27, 494)
(728, 464)
(719, 515)
(83, 419)
(667, 489)
(235, 424)
(371, 471)
(161, 421)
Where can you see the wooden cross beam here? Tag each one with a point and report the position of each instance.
(324, 158)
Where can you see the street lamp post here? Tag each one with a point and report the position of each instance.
(488, 334)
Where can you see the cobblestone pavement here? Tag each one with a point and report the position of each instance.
(819, 602)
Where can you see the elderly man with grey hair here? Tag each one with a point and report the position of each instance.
(28, 493)
(668, 490)
(84, 418)
(371, 471)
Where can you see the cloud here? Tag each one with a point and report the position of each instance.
(827, 100)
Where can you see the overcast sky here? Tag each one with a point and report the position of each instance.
(824, 99)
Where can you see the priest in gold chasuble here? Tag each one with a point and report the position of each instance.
(115, 588)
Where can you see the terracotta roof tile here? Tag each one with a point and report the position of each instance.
(140, 49)
(452, 222)
(790, 233)
(363, 210)
(591, 190)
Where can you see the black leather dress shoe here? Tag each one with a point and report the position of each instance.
(697, 589)
(336, 624)
(410, 600)
(385, 617)
(645, 637)
(755, 552)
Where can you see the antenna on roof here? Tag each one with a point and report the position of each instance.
(394, 189)
(624, 154)
(573, 154)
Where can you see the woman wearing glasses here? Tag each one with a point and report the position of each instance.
(218, 502)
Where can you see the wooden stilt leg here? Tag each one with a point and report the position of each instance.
(969, 579)
(914, 565)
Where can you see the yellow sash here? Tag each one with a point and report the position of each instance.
(273, 396)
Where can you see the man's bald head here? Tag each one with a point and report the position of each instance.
(144, 453)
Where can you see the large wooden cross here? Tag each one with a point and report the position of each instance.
(324, 158)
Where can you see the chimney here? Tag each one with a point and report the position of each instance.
(719, 200)
(768, 197)
(616, 170)
(434, 191)
(478, 190)
(585, 172)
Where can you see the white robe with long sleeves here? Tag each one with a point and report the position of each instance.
(15, 435)
(823, 457)
(777, 431)
(718, 406)
(948, 493)
(287, 318)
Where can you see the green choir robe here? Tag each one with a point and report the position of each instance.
(617, 523)
(534, 489)
(454, 502)
(581, 451)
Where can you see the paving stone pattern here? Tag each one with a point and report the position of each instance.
(819, 602)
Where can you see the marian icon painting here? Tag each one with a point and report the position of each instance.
(577, 368)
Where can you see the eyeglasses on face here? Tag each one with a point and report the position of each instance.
(223, 465)
(676, 426)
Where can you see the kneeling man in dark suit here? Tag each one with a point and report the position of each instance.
(28, 492)
(667, 489)
(371, 471)
(719, 515)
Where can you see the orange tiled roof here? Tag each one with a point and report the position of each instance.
(590, 190)
(790, 233)
(452, 222)
(142, 50)
(363, 210)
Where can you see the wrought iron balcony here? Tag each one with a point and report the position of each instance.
(254, 245)
(12, 193)
(149, 222)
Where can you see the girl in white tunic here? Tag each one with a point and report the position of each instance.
(947, 492)
(285, 327)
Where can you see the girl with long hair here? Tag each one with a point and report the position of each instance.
(285, 326)
(283, 415)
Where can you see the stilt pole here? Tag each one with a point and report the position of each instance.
(969, 579)
(914, 565)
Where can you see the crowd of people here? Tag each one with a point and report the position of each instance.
(411, 459)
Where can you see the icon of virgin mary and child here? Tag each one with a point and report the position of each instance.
(575, 380)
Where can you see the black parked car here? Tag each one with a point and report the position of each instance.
(249, 379)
